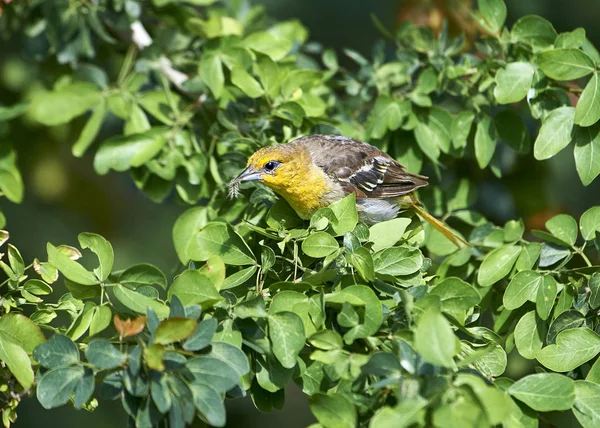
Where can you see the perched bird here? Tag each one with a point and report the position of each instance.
(314, 171)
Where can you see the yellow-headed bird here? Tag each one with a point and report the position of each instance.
(314, 171)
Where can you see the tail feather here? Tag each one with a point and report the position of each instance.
(440, 226)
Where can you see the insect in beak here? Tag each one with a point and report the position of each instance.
(249, 174)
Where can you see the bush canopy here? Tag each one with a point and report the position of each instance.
(382, 326)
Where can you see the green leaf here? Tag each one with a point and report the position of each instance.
(201, 338)
(102, 248)
(123, 152)
(69, 268)
(362, 261)
(90, 131)
(238, 278)
(497, 264)
(185, 230)
(564, 227)
(103, 355)
(138, 302)
(587, 111)
(512, 131)
(254, 308)
(319, 244)
(573, 348)
(333, 411)
(209, 403)
(552, 253)
(594, 373)
(434, 339)
(16, 261)
(360, 296)
(522, 287)
(282, 215)
(387, 115)
(406, 413)
(213, 371)
(572, 39)
(11, 183)
(398, 261)
(485, 141)
(82, 323)
(58, 351)
(299, 79)
(63, 104)
(17, 360)
(21, 330)
(587, 403)
(455, 295)
(534, 31)
(248, 84)
(513, 230)
(565, 321)
(13, 111)
(545, 392)
(546, 296)
(158, 104)
(528, 257)
(286, 332)
(101, 318)
(461, 195)
(565, 64)
(84, 389)
(428, 141)
(174, 330)
(529, 335)
(461, 128)
(587, 153)
(193, 288)
(211, 72)
(555, 133)
(143, 274)
(492, 361)
(37, 287)
(494, 13)
(387, 233)
(57, 385)
(346, 214)
(271, 375)
(274, 47)
(327, 340)
(231, 355)
(589, 223)
(219, 239)
(513, 82)
(594, 286)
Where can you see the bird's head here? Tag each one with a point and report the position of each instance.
(278, 167)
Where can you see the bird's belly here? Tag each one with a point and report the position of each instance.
(371, 211)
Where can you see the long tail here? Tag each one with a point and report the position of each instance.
(444, 230)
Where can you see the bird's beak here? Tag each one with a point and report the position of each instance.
(249, 174)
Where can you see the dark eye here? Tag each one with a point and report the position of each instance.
(270, 166)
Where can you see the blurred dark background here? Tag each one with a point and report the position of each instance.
(64, 196)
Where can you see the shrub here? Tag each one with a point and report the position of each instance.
(388, 325)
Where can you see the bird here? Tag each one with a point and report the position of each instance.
(314, 171)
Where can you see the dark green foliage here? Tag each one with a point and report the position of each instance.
(390, 325)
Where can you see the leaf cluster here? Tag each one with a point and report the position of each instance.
(388, 325)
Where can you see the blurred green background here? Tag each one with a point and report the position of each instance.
(64, 196)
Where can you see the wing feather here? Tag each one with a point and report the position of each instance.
(361, 168)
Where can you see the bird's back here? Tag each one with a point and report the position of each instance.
(360, 167)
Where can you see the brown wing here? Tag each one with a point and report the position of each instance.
(360, 167)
